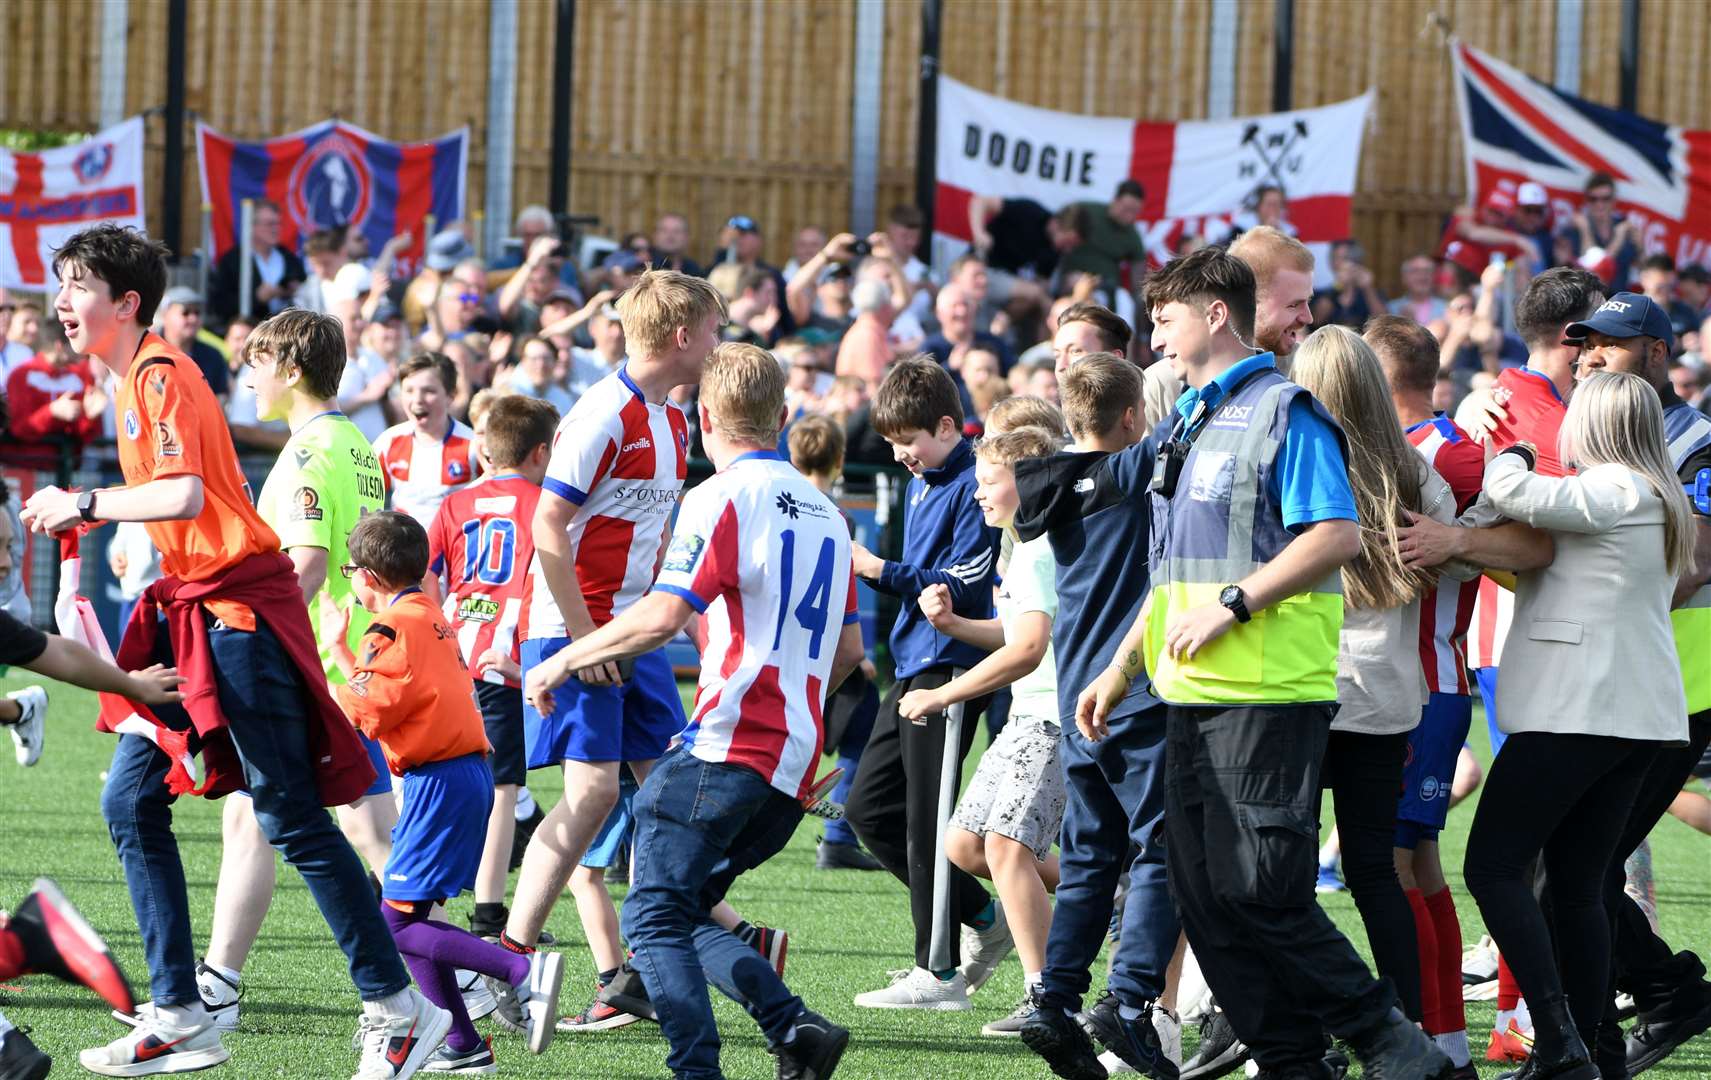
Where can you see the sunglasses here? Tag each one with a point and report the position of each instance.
(1601, 198)
(469, 298)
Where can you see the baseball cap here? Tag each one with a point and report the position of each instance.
(836, 270)
(1500, 199)
(1624, 315)
(386, 312)
(181, 294)
(1532, 194)
(448, 248)
(743, 223)
(626, 261)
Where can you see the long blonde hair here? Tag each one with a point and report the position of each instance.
(1343, 373)
(1617, 418)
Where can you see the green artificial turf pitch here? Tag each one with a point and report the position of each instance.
(846, 929)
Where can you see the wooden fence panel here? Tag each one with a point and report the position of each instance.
(717, 107)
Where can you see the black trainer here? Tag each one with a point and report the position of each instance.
(1394, 1049)
(1061, 1042)
(627, 993)
(1220, 1052)
(1135, 1041)
(19, 1058)
(844, 857)
(1659, 1033)
(813, 1051)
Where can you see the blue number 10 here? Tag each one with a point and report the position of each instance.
(489, 550)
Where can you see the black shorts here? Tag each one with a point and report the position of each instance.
(502, 714)
(20, 643)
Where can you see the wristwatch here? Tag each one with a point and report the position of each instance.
(1237, 601)
(86, 505)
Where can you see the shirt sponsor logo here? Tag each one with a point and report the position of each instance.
(648, 495)
(793, 508)
(681, 556)
(1233, 416)
(477, 609)
(306, 505)
(166, 441)
(640, 444)
(498, 504)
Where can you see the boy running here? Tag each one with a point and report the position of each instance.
(764, 557)
(481, 546)
(1004, 827)
(256, 694)
(410, 692)
(618, 464)
(325, 479)
(432, 454)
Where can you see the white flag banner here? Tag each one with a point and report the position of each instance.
(48, 195)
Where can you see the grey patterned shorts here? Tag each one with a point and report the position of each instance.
(1017, 790)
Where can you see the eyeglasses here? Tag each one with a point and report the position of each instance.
(349, 569)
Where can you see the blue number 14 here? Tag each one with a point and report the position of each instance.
(811, 611)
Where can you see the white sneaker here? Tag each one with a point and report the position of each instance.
(154, 1046)
(219, 996)
(918, 988)
(28, 731)
(1479, 971)
(546, 976)
(984, 950)
(477, 998)
(1114, 1065)
(1169, 1028)
(393, 1048)
(531, 1009)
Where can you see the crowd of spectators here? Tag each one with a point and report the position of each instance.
(838, 313)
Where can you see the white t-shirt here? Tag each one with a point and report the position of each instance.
(369, 419)
(1030, 584)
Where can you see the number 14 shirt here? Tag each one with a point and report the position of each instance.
(765, 557)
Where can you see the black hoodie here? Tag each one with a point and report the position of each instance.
(1093, 507)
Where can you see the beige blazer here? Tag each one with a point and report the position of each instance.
(1590, 650)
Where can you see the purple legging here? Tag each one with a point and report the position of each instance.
(434, 950)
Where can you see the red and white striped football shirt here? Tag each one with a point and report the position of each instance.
(766, 559)
(621, 460)
(482, 546)
(421, 470)
(1447, 611)
(1536, 412)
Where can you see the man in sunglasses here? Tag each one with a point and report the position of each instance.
(1600, 225)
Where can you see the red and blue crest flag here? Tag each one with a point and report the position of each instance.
(335, 174)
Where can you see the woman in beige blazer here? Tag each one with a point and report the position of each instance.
(1591, 690)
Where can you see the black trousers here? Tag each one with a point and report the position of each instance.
(1642, 962)
(1241, 795)
(1568, 799)
(1364, 775)
(894, 805)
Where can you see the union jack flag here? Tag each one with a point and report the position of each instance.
(1516, 128)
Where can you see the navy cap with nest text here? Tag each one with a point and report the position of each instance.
(1624, 315)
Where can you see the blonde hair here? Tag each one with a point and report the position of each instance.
(1013, 446)
(1097, 390)
(1025, 410)
(659, 303)
(1616, 419)
(817, 446)
(742, 388)
(1266, 250)
(1344, 374)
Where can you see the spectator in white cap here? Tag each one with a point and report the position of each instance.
(1533, 220)
(180, 323)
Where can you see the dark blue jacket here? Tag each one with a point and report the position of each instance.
(1094, 508)
(945, 542)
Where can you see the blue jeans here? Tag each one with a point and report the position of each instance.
(1115, 804)
(265, 704)
(699, 825)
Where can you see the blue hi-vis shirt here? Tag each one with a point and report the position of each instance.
(945, 542)
(1310, 480)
